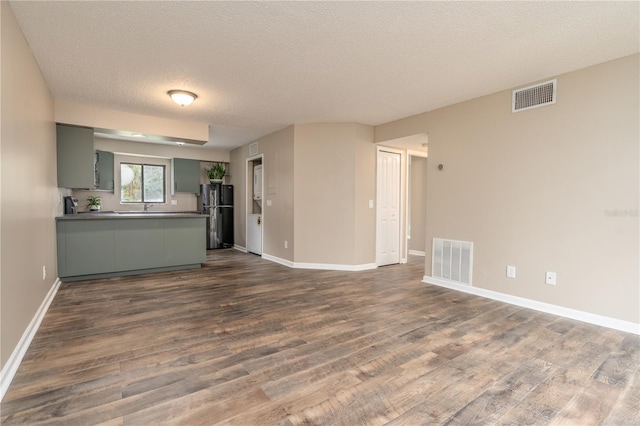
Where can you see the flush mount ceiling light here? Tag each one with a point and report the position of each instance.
(182, 97)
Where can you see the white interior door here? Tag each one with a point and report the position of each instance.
(388, 210)
(254, 233)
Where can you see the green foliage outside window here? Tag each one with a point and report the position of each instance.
(142, 183)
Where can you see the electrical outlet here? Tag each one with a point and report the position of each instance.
(511, 271)
(550, 278)
(174, 202)
(44, 272)
(286, 244)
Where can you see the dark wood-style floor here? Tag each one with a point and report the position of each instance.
(245, 341)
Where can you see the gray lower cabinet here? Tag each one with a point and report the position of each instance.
(186, 175)
(104, 247)
(87, 247)
(140, 243)
(74, 147)
(180, 237)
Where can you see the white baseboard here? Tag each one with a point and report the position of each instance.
(323, 266)
(417, 253)
(11, 367)
(240, 248)
(279, 260)
(334, 266)
(616, 324)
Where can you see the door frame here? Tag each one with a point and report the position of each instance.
(248, 199)
(402, 208)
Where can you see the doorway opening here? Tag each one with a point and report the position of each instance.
(411, 225)
(416, 203)
(255, 215)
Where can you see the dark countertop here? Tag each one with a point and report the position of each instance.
(130, 215)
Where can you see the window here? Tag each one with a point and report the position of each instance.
(142, 183)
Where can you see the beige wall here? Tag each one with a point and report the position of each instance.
(277, 149)
(237, 177)
(324, 194)
(418, 203)
(549, 189)
(28, 186)
(406, 127)
(278, 188)
(365, 190)
(334, 179)
(319, 178)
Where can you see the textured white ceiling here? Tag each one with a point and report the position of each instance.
(260, 66)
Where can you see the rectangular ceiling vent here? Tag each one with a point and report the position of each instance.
(534, 96)
(452, 260)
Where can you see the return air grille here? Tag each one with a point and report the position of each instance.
(534, 96)
(452, 260)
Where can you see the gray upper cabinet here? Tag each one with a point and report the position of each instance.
(75, 156)
(186, 175)
(104, 170)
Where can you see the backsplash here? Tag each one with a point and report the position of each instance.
(111, 201)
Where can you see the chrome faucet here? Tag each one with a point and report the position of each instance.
(146, 206)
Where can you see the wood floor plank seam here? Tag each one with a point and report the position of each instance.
(244, 341)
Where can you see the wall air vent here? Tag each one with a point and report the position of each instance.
(452, 260)
(534, 96)
(253, 149)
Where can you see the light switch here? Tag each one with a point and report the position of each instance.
(370, 204)
(268, 203)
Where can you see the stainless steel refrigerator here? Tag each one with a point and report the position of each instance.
(216, 201)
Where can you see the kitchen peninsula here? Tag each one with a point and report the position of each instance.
(108, 244)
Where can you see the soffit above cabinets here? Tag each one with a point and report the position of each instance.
(144, 137)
